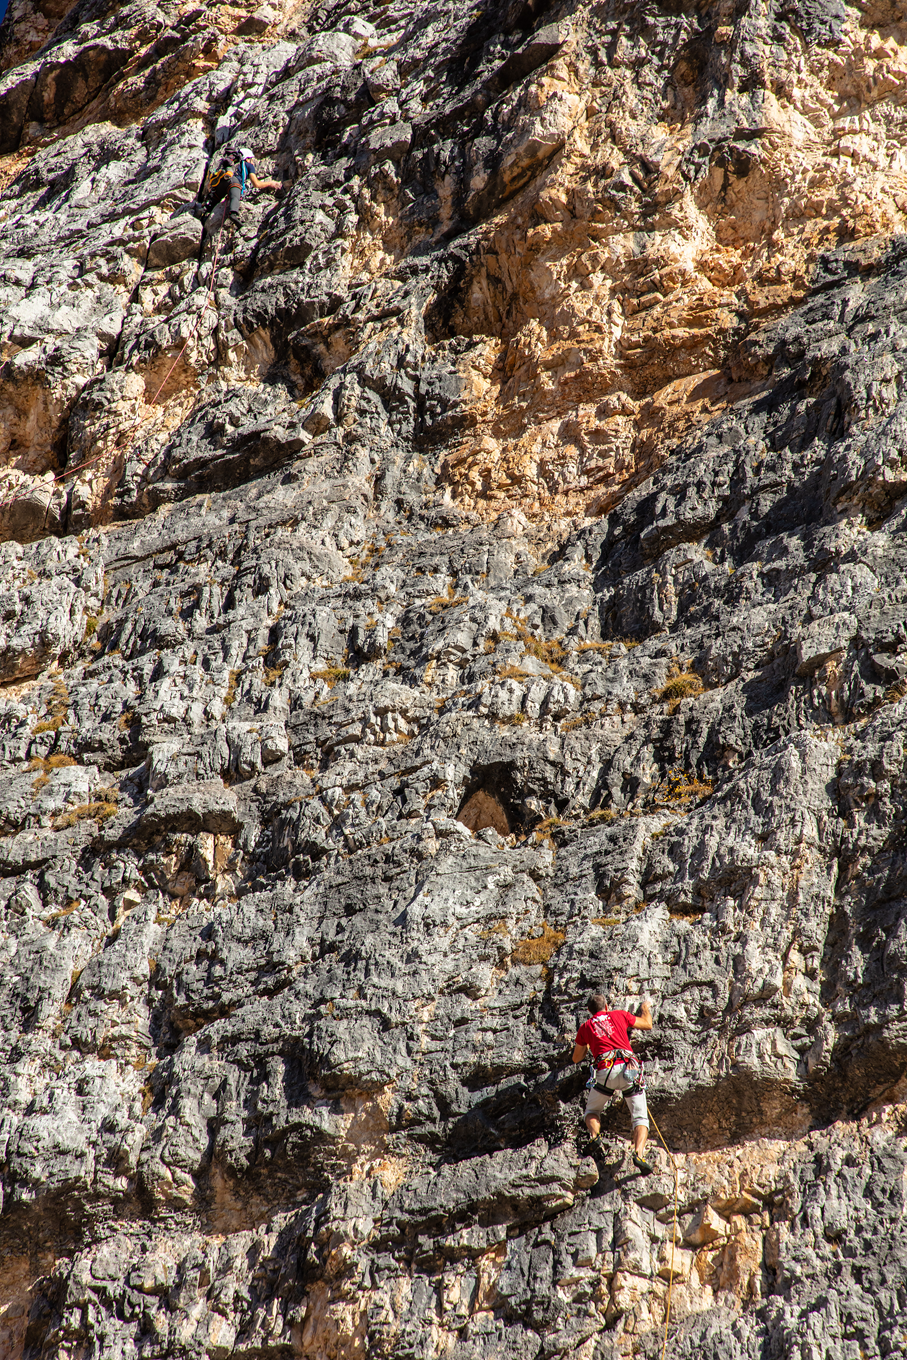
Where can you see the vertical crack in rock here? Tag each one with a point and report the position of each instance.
(475, 579)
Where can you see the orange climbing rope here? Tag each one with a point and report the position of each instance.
(90, 462)
(203, 309)
(664, 1345)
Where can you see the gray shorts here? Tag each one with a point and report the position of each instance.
(617, 1080)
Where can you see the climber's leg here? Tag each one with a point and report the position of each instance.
(595, 1103)
(639, 1117)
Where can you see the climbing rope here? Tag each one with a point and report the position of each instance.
(90, 462)
(661, 1139)
(664, 1345)
(203, 309)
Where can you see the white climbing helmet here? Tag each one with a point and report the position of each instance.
(246, 153)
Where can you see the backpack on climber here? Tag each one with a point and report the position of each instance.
(228, 185)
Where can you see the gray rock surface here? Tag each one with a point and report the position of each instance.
(332, 784)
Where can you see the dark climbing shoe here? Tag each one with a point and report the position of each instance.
(642, 1166)
(593, 1148)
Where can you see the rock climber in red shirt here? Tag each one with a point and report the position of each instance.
(606, 1033)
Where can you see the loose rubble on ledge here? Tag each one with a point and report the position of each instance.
(482, 582)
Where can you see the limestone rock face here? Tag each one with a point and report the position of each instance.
(475, 577)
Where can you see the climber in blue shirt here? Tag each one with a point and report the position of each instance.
(228, 186)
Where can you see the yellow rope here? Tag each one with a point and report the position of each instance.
(673, 1236)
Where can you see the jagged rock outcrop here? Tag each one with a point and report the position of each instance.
(476, 577)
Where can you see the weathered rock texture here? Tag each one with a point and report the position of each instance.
(478, 577)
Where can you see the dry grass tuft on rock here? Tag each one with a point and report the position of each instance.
(682, 683)
(45, 765)
(538, 948)
(331, 674)
(681, 790)
(99, 812)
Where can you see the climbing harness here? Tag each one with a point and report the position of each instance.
(617, 1058)
(216, 187)
(206, 200)
(217, 192)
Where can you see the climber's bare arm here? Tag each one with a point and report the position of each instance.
(644, 1019)
(579, 1052)
(265, 183)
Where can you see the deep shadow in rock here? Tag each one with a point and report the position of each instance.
(492, 799)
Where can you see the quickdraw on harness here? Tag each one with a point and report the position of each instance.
(218, 180)
(616, 1058)
(218, 186)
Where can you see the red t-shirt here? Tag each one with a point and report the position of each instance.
(606, 1031)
